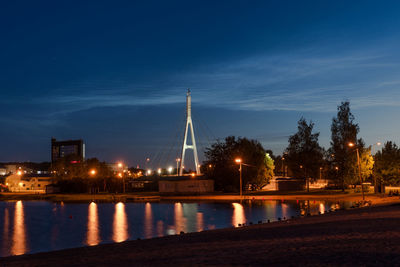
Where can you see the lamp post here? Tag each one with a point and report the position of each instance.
(239, 161)
(359, 169)
(177, 166)
(373, 154)
(92, 173)
(305, 176)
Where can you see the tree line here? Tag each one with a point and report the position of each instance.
(347, 162)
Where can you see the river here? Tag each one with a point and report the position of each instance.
(37, 226)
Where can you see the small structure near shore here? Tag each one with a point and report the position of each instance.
(33, 183)
(185, 185)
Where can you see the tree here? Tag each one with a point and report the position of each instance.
(73, 175)
(387, 164)
(367, 163)
(220, 163)
(304, 154)
(344, 131)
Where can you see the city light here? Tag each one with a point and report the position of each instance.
(120, 165)
(159, 171)
(238, 160)
(120, 175)
(19, 173)
(93, 172)
(148, 172)
(351, 144)
(193, 174)
(170, 170)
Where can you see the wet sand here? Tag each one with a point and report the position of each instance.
(364, 236)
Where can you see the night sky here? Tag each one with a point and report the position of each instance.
(115, 73)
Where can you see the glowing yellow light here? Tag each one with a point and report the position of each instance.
(19, 172)
(119, 175)
(148, 172)
(93, 172)
(170, 169)
(351, 144)
(193, 174)
(20, 184)
(238, 160)
(159, 171)
(120, 165)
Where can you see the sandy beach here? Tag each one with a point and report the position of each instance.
(363, 236)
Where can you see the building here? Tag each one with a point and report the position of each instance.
(61, 149)
(28, 183)
(185, 185)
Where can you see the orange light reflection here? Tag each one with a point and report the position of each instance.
(93, 237)
(238, 214)
(19, 237)
(180, 221)
(120, 225)
(148, 221)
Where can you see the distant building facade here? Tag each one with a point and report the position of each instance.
(61, 149)
(34, 183)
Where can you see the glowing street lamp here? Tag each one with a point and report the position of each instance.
(19, 173)
(359, 168)
(120, 164)
(159, 171)
(148, 172)
(92, 172)
(239, 161)
(170, 170)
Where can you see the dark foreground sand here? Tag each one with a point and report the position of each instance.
(366, 236)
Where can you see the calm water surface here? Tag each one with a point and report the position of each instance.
(35, 226)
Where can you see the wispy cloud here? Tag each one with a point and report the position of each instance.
(299, 82)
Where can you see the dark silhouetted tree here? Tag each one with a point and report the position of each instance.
(304, 156)
(220, 163)
(344, 131)
(387, 164)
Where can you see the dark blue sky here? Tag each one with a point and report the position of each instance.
(115, 73)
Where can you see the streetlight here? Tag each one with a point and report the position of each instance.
(169, 170)
(320, 173)
(359, 168)
(159, 171)
(92, 172)
(239, 161)
(177, 166)
(373, 154)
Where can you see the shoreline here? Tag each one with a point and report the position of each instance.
(155, 197)
(368, 235)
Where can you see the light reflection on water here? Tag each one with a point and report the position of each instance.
(93, 237)
(33, 226)
(120, 224)
(238, 216)
(19, 238)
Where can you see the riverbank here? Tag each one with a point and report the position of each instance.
(364, 236)
(154, 196)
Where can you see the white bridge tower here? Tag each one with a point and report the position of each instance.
(185, 145)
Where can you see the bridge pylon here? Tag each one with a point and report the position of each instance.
(189, 125)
